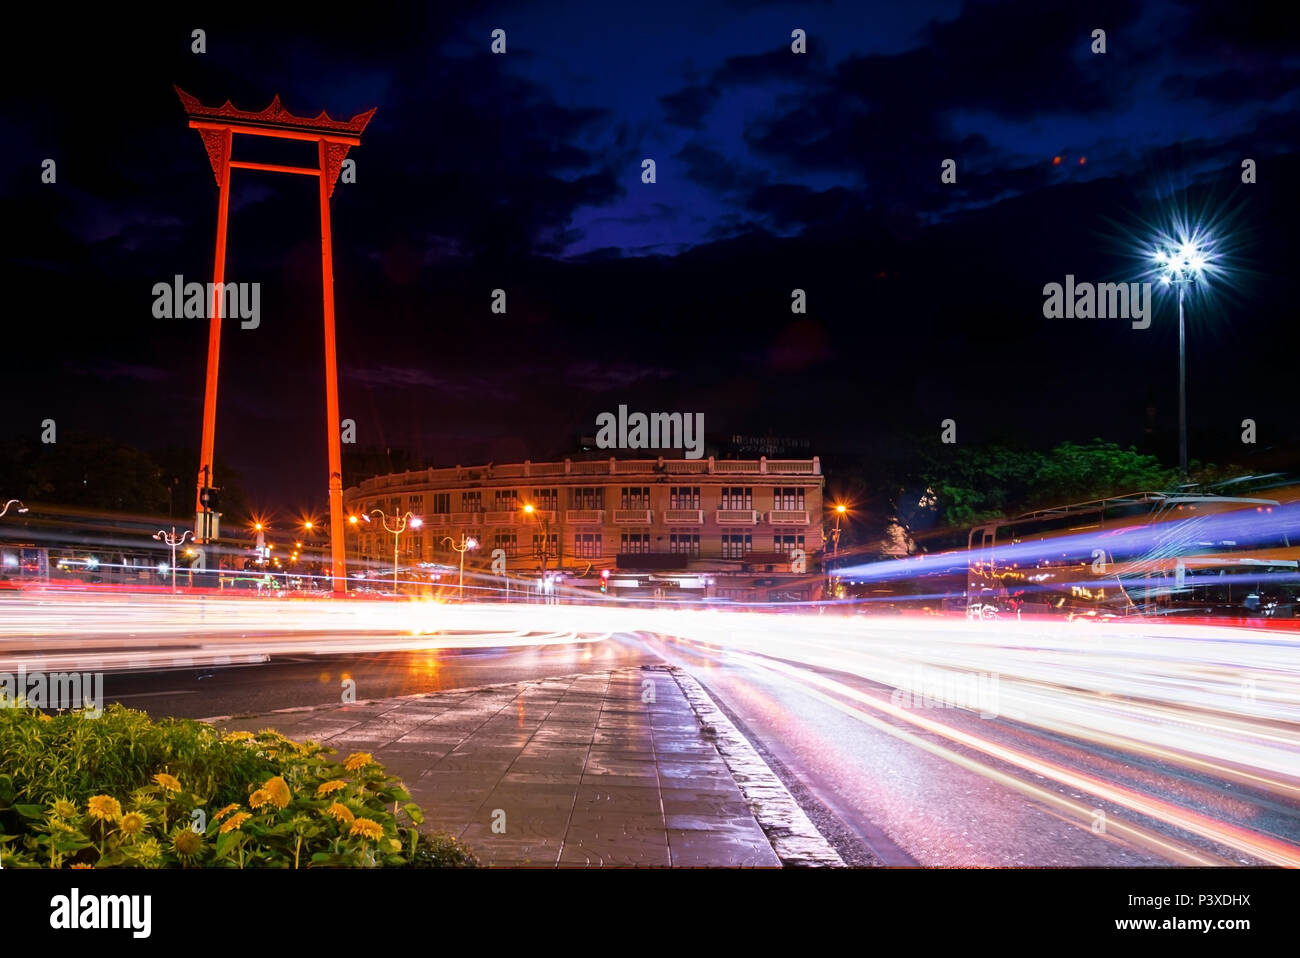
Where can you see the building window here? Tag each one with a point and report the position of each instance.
(736, 497)
(471, 502)
(586, 545)
(549, 549)
(636, 543)
(684, 543)
(441, 502)
(786, 544)
(634, 497)
(684, 497)
(505, 500)
(507, 541)
(415, 505)
(788, 499)
(735, 545)
(545, 499)
(587, 497)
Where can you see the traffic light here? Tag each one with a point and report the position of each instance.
(210, 497)
(604, 580)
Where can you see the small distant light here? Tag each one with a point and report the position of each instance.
(162, 568)
(1056, 161)
(416, 522)
(1083, 160)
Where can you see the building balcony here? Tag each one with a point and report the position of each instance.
(685, 517)
(633, 517)
(502, 517)
(436, 519)
(585, 517)
(788, 517)
(538, 516)
(736, 517)
(466, 518)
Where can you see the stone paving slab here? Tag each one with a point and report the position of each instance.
(613, 768)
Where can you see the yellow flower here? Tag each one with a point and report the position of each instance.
(43, 717)
(278, 790)
(259, 798)
(330, 787)
(148, 850)
(105, 808)
(358, 760)
(133, 823)
(187, 843)
(237, 737)
(367, 828)
(65, 809)
(339, 812)
(81, 865)
(168, 782)
(234, 822)
(224, 812)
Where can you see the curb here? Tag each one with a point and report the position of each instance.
(793, 837)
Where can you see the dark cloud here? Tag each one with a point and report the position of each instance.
(688, 106)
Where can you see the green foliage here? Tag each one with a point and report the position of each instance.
(69, 755)
(94, 472)
(122, 791)
(976, 483)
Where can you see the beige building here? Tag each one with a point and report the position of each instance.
(625, 514)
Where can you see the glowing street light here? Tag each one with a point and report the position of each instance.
(173, 540)
(841, 510)
(1181, 265)
(399, 526)
(465, 545)
(21, 507)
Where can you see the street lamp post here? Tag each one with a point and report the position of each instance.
(543, 551)
(840, 511)
(5, 510)
(465, 545)
(173, 540)
(352, 521)
(401, 523)
(1181, 267)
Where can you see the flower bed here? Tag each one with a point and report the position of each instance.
(124, 791)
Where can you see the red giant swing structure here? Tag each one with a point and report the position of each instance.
(333, 138)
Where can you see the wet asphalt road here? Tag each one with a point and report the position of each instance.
(882, 791)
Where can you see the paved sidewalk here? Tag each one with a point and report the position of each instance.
(605, 768)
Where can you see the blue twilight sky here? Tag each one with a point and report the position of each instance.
(775, 171)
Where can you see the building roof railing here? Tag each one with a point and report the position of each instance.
(569, 468)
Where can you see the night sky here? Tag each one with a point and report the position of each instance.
(775, 171)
